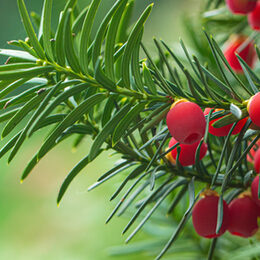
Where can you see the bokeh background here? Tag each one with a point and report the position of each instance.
(31, 225)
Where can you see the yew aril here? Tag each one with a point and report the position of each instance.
(186, 122)
(253, 108)
(241, 6)
(254, 17)
(244, 48)
(254, 190)
(243, 217)
(224, 130)
(205, 214)
(188, 152)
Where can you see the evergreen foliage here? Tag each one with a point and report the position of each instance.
(100, 87)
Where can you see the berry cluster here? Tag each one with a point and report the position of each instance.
(240, 44)
(251, 8)
(239, 216)
(186, 123)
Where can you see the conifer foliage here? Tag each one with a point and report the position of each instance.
(111, 88)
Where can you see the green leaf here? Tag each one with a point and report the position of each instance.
(131, 42)
(212, 248)
(17, 54)
(220, 53)
(21, 114)
(219, 83)
(108, 177)
(16, 66)
(8, 115)
(29, 29)
(180, 227)
(27, 48)
(134, 174)
(72, 174)
(76, 129)
(24, 73)
(102, 78)
(125, 196)
(85, 35)
(71, 118)
(59, 37)
(111, 171)
(149, 80)
(48, 121)
(111, 40)
(108, 109)
(229, 119)
(46, 28)
(249, 73)
(107, 130)
(124, 23)
(77, 24)
(69, 45)
(9, 144)
(102, 30)
(126, 121)
(12, 87)
(136, 64)
(32, 119)
(24, 96)
(57, 101)
(144, 204)
(171, 187)
(223, 151)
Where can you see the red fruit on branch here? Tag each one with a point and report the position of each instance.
(244, 48)
(186, 122)
(254, 190)
(253, 108)
(257, 161)
(243, 216)
(258, 211)
(205, 214)
(224, 130)
(254, 17)
(188, 152)
(241, 6)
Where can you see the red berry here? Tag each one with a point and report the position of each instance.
(205, 214)
(188, 152)
(254, 17)
(241, 6)
(186, 122)
(257, 161)
(224, 130)
(254, 126)
(258, 211)
(253, 108)
(242, 217)
(254, 190)
(246, 50)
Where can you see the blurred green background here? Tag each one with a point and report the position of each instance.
(31, 225)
